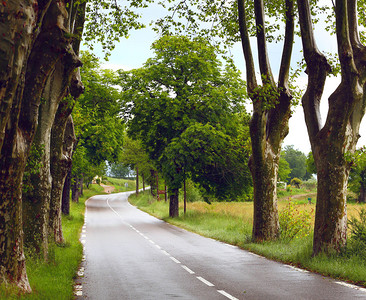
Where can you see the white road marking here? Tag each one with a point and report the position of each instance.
(83, 235)
(205, 281)
(352, 286)
(227, 295)
(187, 269)
(297, 269)
(166, 253)
(174, 259)
(82, 241)
(157, 246)
(151, 241)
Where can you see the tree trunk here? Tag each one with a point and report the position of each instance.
(153, 182)
(362, 196)
(137, 181)
(36, 203)
(336, 140)
(65, 207)
(75, 190)
(271, 113)
(23, 72)
(185, 196)
(63, 138)
(174, 203)
(143, 182)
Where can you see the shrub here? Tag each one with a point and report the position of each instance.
(310, 184)
(296, 182)
(294, 223)
(357, 241)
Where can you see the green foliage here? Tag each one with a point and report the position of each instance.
(296, 182)
(119, 170)
(34, 164)
(358, 227)
(182, 90)
(108, 21)
(283, 170)
(310, 184)
(357, 177)
(294, 224)
(296, 160)
(310, 164)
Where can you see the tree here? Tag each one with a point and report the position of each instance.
(181, 85)
(237, 21)
(212, 158)
(37, 44)
(283, 169)
(310, 164)
(119, 170)
(335, 141)
(296, 160)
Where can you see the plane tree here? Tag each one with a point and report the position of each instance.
(37, 68)
(181, 85)
(333, 144)
(237, 21)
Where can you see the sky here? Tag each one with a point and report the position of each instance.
(131, 53)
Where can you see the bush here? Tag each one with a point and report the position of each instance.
(310, 184)
(357, 241)
(296, 182)
(294, 223)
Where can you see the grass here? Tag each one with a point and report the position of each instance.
(55, 279)
(120, 184)
(231, 222)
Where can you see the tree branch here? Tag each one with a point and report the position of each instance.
(288, 45)
(317, 70)
(245, 41)
(261, 42)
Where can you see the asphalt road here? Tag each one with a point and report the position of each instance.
(131, 255)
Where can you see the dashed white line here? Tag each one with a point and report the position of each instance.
(227, 295)
(174, 259)
(205, 281)
(297, 269)
(157, 246)
(187, 269)
(166, 253)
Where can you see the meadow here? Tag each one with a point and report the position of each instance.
(231, 222)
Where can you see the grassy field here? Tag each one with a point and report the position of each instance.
(120, 184)
(55, 280)
(231, 222)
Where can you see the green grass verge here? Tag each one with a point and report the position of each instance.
(237, 231)
(55, 280)
(120, 184)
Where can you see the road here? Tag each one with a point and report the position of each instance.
(132, 255)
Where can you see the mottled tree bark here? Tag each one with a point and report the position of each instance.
(269, 123)
(56, 51)
(336, 140)
(63, 138)
(21, 85)
(65, 205)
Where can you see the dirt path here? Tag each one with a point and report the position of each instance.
(107, 189)
(298, 196)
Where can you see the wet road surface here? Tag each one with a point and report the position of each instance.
(131, 255)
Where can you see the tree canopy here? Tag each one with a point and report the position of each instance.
(183, 85)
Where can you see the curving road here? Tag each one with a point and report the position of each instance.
(131, 255)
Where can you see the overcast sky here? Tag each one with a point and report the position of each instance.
(133, 52)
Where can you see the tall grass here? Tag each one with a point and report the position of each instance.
(231, 222)
(55, 279)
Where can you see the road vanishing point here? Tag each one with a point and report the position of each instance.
(132, 255)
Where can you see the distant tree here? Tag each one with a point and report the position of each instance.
(357, 177)
(296, 182)
(284, 169)
(215, 160)
(181, 85)
(296, 160)
(310, 164)
(119, 170)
